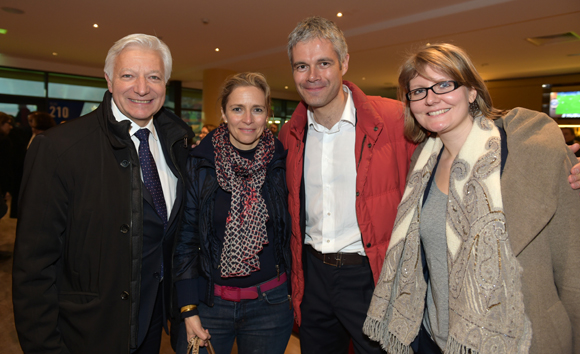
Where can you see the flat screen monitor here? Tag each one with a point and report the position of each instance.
(565, 104)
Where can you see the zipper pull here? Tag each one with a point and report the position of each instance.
(278, 271)
(290, 302)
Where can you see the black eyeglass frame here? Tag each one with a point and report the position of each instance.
(456, 85)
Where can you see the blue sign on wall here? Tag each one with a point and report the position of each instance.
(63, 110)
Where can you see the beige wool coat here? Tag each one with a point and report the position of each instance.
(543, 222)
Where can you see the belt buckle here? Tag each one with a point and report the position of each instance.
(337, 260)
(231, 293)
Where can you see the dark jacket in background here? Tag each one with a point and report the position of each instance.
(77, 276)
(20, 137)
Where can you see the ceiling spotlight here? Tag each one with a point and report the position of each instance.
(96, 25)
(54, 53)
(339, 14)
(285, 87)
(217, 49)
(364, 78)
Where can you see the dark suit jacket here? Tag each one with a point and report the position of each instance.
(77, 275)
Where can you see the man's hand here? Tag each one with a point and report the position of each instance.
(193, 328)
(574, 177)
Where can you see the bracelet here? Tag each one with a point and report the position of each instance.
(188, 308)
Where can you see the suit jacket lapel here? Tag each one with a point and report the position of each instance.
(528, 203)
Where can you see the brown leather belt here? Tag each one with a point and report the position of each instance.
(338, 259)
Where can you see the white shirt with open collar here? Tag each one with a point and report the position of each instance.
(330, 184)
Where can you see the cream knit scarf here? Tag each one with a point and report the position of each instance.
(486, 309)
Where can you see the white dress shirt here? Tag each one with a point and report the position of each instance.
(167, 178)
(330, 184)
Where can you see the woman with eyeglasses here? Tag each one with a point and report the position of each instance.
(485, 252)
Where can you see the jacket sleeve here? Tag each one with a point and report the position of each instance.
(565, 249)
(187, 248)
(40, 238)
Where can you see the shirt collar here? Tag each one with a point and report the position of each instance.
(348, 115)
(119, 117)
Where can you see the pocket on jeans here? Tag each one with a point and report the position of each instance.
(278, 295)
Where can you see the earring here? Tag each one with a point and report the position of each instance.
(474, 109)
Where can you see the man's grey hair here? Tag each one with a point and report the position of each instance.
(144, 41)
(318, 28)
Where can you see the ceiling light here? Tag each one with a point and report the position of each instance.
(364, 78)
(54, 53)
(13, 10)
(339, 14)
(96, 25)
(555, 38)
(3, 31)
(285, 87)
(217, 49)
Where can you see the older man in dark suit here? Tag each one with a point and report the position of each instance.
(100, 204)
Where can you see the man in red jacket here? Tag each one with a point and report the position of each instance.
(346, 169)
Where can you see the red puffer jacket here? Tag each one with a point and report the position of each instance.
(382, 157)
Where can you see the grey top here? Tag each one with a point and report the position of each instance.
(432, 230)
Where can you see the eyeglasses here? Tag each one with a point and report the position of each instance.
(439, 89)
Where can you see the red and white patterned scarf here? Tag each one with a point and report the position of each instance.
(246, 223)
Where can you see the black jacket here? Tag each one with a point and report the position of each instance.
(78, 249)
(198, 248)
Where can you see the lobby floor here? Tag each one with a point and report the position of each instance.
(8, 339)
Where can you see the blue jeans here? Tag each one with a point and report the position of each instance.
(260, 326)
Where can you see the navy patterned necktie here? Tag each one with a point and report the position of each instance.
(150, 175)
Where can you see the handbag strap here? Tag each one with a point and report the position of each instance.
(193, 346)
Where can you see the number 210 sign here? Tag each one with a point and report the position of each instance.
(63, 110)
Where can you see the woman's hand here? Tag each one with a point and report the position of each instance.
(193, 328)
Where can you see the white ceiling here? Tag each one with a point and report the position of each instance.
(252, 34)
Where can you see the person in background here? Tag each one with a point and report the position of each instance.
(39, 122)
(483, 258)
(274, 129)
(6, 152)
(232, 257)
(205, 130)
(101, 200)
(570, 138)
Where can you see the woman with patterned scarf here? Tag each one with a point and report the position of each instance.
(232, 257)
(485, 253)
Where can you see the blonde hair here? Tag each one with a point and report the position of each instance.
(245, 79)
